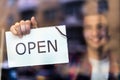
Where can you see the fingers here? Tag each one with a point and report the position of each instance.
(13, 30)
(25, 27)
(27, 24)
(34, 22)
(21, 28)
(18, 29)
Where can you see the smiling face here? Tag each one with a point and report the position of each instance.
(95, 30)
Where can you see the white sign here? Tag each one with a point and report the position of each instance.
(41, 47)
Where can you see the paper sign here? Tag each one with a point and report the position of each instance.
(42, 46)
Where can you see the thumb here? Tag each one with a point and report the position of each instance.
(34, 22)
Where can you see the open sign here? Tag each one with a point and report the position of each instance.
(39, 45)
(42, 46)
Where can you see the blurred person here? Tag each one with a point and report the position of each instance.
(98, 63)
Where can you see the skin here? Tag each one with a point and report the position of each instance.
(96, 38)
(23, 27)
(95, 29)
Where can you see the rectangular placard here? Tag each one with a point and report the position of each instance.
(42, 46)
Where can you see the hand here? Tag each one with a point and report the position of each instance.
(23, 27)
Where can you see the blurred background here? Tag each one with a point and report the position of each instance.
(50, 13)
